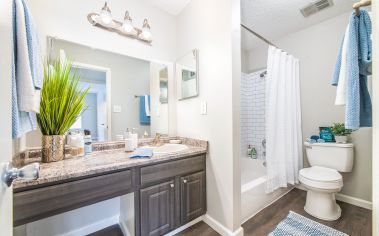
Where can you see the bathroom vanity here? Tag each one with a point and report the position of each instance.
(169, 189)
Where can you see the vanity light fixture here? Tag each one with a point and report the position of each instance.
(145, 34)
(127, 25)
(105, 21)
(105, 14)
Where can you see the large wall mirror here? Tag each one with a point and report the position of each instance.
(125, 92)
(187, 75)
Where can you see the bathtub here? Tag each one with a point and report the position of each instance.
(253, 188)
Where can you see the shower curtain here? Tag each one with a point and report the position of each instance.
(284, 153)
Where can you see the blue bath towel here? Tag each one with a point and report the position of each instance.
(144, 118)
(358, 111)
(23, 122)
(142, 153)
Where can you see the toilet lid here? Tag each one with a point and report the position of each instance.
(321, 174)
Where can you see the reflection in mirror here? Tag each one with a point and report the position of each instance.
(187, 75)
(125, 92)
(163, 79)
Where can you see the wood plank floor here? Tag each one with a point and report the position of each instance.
(113, 230)
(355, 221)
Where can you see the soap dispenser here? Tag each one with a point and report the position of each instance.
(87, 141)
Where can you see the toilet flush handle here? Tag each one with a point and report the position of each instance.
(307, 145)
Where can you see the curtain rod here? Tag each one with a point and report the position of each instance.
(258, 35)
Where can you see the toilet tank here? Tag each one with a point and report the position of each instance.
(338, 156)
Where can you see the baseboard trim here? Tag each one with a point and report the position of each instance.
(91, 228)
(220, 228)
(354, 201)
(348, 199)
(181, 228)
(124, 228)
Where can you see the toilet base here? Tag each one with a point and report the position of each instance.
(322, 205)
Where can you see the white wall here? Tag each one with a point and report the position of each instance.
(317, 48)
(81, 221)
(210, 31)
(375, 85)
(67, 19)
(6, 195)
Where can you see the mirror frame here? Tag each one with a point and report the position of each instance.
(197, 77)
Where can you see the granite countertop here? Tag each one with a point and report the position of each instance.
(100, 162)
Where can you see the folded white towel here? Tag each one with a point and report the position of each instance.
(28, 96)
(341, 87)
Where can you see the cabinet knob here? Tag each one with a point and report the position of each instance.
(184, 181)
(30, 171)
(172, 185)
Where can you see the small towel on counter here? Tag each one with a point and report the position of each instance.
(358, 111)
(142, 153)
(27, 71)
(144, 110)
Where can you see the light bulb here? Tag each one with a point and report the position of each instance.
(146, 33)
(127, 25)
(105, 14)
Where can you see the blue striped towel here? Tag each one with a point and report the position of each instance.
(358, 111)
(23, 122)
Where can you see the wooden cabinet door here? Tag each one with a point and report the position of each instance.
(193, 196)
(157, 209)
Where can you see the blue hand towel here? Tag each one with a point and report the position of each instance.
(35, 58)
(365, 62)
(144, 119)
(142, 153)
(358, 111)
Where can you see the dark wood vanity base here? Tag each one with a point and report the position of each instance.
(167, 194)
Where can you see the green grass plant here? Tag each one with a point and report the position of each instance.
(62, 101)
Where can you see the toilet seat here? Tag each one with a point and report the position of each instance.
(321, 178)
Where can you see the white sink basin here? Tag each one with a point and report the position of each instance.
(168, 148)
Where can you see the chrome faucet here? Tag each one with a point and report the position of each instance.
(157, 140)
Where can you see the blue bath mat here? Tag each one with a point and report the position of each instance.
(298, 225)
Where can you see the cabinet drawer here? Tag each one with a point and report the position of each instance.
(158, 172)
(32, 205)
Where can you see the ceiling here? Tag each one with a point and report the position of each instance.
(274, 19)
(173, 7)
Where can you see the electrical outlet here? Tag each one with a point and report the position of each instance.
(203, 108)
(116, 109)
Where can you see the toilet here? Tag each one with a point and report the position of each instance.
(322, 180)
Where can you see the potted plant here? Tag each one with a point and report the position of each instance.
(340, 132)
(62, 101)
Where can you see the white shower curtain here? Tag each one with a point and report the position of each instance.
(284, 153)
